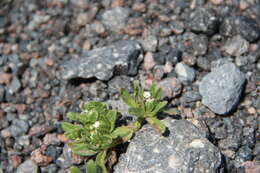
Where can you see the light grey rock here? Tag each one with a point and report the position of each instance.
(221, 88)
(15, 86)
(185, 150)
(184, 72)
(236, 46)
(149, 43)
(27, 167)
(115, 19)
(123, 58)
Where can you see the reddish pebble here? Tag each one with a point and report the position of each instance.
(16, 160)
(149, 62)
(139, 7)
(5, 78)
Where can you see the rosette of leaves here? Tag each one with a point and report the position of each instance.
(145, 105)
(93, 133)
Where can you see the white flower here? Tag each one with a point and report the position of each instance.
(147, 95)
(96, 125)
(149, 100)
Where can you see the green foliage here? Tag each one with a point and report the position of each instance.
(94, 133)
(94, 130)
(145, 104)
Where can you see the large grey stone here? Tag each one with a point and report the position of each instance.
(27, 167)
(221, 88)
(185, 150)
(123, 57)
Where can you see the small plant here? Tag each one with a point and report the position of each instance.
(94, 133)
(145, 105)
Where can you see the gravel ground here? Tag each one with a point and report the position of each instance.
(204, 54)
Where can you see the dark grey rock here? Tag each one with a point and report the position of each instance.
(236, 46)
(184, 72)
(244, 154)
(249, 29)
(53, 152)
(198, 44)
(190, 97)
(52, 168)
(19, 127)
(121, 58)
(27, 166)
(221, 88)
(118, 82)
(2, 93)
(66, 159)
(244, 26)
(203, 63)
(173, 56)
(229, 26)
(115, 19)
(185, 149)
(203, 20)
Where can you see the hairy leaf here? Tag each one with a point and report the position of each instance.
(139, 112)
(127, 98)
(158, 124)
(159, 107)
(92, 167)
(82, 149)
(171, 111)
(101, 161)
(112, 115)
(73, 116)
(74, 169)
(123, 132)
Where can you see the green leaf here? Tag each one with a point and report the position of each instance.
(68, 126)
(95, 105)
(127, 98)
(71, 130)
(74, 169)
(92, 167)
(82, 149)
(123, 132)
(92, 116)
(153, 90)
(159, 107)
(112, 115)
(101, 161)
(136, 88)
(156, 92)
(73, 116)
(139, 112)
(173, 111)
(159, 94)
(149, 106)
(158, 124)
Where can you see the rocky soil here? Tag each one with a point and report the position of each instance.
(57, 54)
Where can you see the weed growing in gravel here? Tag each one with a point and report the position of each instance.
(94, 133)
(145, 105)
